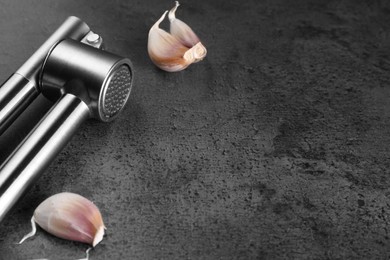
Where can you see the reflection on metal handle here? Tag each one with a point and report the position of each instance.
(38, 149)
(22, 87)
(15, 95)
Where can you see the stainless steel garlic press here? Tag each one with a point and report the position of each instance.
(83, 80)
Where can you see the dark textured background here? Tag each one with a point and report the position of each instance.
(276, 146)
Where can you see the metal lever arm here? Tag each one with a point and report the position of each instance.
(21, 88)
(15, 95)
(39, 148)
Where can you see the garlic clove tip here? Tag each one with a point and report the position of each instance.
(98, 236)
(172, 12)
(156, 25)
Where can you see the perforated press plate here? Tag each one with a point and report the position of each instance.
(117, 92)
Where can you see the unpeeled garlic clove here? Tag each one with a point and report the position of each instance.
(69, 216)
(176, 50)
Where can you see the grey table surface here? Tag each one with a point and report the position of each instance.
(276, 146)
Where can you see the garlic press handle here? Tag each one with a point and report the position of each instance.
(39, 148)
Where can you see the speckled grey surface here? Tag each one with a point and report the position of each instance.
(276, 146)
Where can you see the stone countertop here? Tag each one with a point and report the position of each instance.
(276, 146)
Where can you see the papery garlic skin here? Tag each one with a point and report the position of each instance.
(174, 51)
(71, 216)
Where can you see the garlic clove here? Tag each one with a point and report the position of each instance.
(174, 51)
(69, 216)
(164, 50)
(180, 29)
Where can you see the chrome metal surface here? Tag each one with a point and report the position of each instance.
(72, 28)
(116, 92)
(22, 87)
(39, 148)
(93, 40)
(15, 94)
(102, 79)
